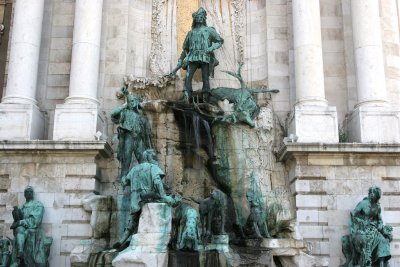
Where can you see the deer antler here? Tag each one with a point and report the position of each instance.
(237, 75)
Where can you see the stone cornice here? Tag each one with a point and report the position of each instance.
(289, 149)
(102, 147)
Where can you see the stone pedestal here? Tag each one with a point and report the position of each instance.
(149, 246)
(185, 259)
(314, 124)
(77, 122)
(368, 124)
(218, 242)
(280, 247)
(289, 252)
(21, 122)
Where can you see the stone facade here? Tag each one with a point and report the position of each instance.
(335, 62)
(63, 176)
(328, 181)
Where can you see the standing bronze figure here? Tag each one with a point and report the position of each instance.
(133, 131)
(198, 53)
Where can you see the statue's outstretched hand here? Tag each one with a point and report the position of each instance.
(177, 199)
(168, 199)
(210, 49)
(170, 75)
(175, 70)
(172, 200)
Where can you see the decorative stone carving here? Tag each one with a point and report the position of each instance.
(158, 60)
(239, 7)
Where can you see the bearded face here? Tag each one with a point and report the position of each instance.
(200, 19)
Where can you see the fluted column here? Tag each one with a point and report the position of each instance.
(312, 120)
(21, 118)
(372, 111)
(78, 118)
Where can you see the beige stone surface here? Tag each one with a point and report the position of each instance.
(143, 38)
(63, 174)
(328, 190)
(148, 247)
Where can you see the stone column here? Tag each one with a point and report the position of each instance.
(372, 111)
(20, 118)
(370, 73)
(312, 119)
(78, 118)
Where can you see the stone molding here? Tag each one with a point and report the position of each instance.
(103, 147)
(328, 180)
(287, 150)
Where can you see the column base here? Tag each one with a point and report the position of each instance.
(374, 124)
(21, 122)
(314, 124)
(77, 122)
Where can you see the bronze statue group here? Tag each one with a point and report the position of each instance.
(367, 245)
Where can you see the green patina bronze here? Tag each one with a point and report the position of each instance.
(198, 52)
(185, 222)
(256, 224)
(212, 214)
(1, 31)
(367, 245)
(30, 246)
(145, 181)
(245, 108)
(133, 131)
(5, 251)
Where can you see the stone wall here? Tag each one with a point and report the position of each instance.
(143, 38)
(259, 33)
(329, 180)
(391, 45)
(63, 176)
